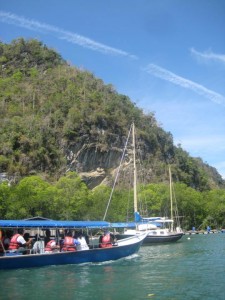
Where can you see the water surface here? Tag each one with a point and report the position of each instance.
(192, 268)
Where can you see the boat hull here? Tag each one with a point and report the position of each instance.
(125, 248)
(162, 238)
(156, 239)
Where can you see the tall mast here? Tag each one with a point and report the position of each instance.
(135, 171)
(171, 195)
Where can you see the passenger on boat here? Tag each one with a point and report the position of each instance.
(107, 240)
(83, 243)
(47, 237)
(26, 236)
(18, 242)
(5, 240)
(69, 243)
(51, 247)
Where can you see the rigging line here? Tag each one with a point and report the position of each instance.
(117, 174)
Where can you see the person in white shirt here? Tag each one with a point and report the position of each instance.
(18, 242)
(83, 244)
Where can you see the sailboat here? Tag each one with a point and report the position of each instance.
(159, 229)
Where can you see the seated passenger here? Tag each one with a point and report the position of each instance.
(2, 241)
(38, 247)
(18, 242)
(106, 240)
(26, 236)
(51, 247)
(83, 243)
(69, 243)
(7, 238)
(47, 237)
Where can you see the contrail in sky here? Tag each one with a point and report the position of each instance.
(9, 18)
(209, 55)
(188, 84)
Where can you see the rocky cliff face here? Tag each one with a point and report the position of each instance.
(95, 164)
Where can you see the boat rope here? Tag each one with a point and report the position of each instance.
(117, 174)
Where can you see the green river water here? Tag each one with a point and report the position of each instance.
(192, 268)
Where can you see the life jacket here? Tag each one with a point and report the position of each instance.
(48, 247)
(106, 243)
(2, 244)
(68, 244)
(13, 243)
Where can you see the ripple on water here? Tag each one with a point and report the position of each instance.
(186, 270)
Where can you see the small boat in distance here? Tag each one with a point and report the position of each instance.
(158, 231)
(163, 230)
(14, 260)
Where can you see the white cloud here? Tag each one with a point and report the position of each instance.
(68, 36)
(208, 55)
(183, 82)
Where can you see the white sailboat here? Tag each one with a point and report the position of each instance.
(160, 230)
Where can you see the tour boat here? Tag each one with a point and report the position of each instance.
(12, 260)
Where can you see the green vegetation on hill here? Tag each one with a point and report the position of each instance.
(49, 108)
(56, 118)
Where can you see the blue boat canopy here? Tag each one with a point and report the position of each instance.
(52, 224)
(133, 224)
(42, 223)
(123, 225)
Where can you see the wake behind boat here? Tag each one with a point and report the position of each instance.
(13, 260)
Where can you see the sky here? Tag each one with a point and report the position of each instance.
(167, 56)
